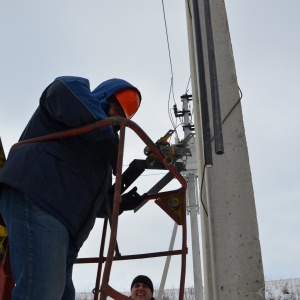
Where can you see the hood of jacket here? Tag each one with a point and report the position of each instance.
(112, 86)
(98, 97)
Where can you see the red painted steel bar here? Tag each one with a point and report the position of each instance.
(115, 215)
(92, 260)
(100, 262)
(114, 294)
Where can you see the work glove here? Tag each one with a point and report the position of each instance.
(131, 200)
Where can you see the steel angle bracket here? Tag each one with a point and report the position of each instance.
(173, 203)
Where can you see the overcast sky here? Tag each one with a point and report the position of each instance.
(41, 40)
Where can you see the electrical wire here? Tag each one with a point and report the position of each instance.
(171, 92)
(166, 28)
(201, 189)
(146, 175)
(153, 174)
(169, 109)
(187, 87)
(234, 106)
(232, 109)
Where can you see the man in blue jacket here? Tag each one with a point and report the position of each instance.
(51, 192)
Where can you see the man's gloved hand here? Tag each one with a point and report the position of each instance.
(131, 200)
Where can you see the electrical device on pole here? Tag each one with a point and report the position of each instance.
(190, 175)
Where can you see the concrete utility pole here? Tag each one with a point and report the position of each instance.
(231, 249)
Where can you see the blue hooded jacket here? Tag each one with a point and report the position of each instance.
(67, 177)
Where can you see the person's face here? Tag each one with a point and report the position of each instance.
(141, 291)
(116, 110)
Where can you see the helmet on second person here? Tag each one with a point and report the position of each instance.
(129, 99)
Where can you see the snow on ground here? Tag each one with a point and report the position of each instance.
(285, 289)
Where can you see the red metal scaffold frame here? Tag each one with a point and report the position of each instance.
(176, 208)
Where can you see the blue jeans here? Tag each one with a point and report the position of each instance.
(41, 252)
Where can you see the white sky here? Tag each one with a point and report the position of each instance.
(126, 39)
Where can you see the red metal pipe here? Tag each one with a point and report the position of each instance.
(92, 260)
(100, 260)
(114, 294)
(115, 214)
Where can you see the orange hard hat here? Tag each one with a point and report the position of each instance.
(129, 100)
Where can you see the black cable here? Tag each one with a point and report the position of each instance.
(201, 189)
(187, 87)
(232, 109)
(169, 109)
(171, 92)
(234, 106)
(163, 6)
